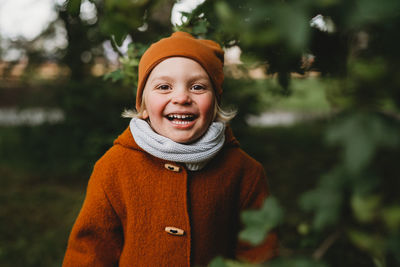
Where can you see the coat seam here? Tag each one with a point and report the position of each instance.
(249, 193)
(187, 204)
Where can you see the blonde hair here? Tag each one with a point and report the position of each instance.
(220, 114)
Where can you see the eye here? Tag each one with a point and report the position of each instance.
(197, 87)
(163, 87)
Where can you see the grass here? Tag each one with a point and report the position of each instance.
(35, 219)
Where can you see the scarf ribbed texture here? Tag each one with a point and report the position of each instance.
(195, 155)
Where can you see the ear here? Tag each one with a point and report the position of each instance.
(145, 115)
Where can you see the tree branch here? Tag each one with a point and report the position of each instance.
(328, 242)
(115, 46)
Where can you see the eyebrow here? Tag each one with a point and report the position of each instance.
(191, 78)
(199, 77)
(164, 77)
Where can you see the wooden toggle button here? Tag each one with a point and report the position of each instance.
(172, 167)
(174, 231)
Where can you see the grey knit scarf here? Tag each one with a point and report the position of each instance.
(195, 155)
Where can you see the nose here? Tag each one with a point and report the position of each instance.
(181, 96)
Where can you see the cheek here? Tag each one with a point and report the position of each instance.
(154, 106)
(207, 107)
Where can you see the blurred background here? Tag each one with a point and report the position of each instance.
(317, 88)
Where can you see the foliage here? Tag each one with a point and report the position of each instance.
(357, 186)
(338, 207)
(92, 111)
(356, 51)
(117, 18)
(128, 72)
(278, 33)
(259, 222)
(354, 48)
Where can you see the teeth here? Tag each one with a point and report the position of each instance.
(179, 116)
(180, 122)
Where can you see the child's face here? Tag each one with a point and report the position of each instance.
(179, 99)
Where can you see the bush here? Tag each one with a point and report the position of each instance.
(93, 120)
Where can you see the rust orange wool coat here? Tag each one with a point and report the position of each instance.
(132, 198)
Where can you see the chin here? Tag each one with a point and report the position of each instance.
(184, 140)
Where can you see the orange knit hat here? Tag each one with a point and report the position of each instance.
(206, 52)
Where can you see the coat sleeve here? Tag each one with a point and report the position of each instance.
(252, 197)
(96, 237)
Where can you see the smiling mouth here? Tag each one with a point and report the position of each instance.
(181, 118)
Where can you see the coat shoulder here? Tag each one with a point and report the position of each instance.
(118, 155)
(238, 158)
(118, 164)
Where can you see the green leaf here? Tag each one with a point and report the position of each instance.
(114, 76)
(365, 208)
(295, 262)
(201, 27)
(223, 10)
(232, 263)
(218, 262)
(74, 7)
(368, 11)
(371, 243)
(293, 22)
(360, 134)
(391, 217)
(221, 262)
(119, 37)
(303, 228)
(259, 222)
(325, 200)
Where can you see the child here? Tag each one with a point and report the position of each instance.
(171, 189)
